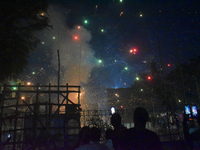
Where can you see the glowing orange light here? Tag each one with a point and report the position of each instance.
(28, 83)
(122, 106)
(79, 27)
(168, 65)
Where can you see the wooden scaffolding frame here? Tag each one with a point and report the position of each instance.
(16, 112)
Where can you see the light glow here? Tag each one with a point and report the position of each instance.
(75, 37)
(149, 77)
(85, 21)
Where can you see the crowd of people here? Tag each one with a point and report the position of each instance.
(120, 138)
(136, 138)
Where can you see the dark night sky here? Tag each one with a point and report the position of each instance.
(127, 25)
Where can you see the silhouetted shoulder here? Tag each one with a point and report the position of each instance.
(195, 135)
(141, 139)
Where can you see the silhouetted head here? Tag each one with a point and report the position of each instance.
(140, 115)
(85, 135)
(95, 134)
(116, 120)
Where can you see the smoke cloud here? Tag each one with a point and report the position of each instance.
(76, 56)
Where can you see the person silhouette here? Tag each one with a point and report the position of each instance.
(84, 137)
(139, 137)
(95, 134)
(118, 130)
(192, 135)
(108, 137)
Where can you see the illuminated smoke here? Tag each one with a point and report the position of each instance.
(76, 56)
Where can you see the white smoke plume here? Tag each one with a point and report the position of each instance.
(76, 56)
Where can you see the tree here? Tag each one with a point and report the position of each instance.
(19, 20)
(185, 78)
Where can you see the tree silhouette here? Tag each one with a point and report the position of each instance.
(19, 20)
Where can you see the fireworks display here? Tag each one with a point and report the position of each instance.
(106, 44)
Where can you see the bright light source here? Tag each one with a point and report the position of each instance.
(28, 83)
(133, 51)
(137, 78)
(75, 37)
(33, 72)
(54, 37)
(168, 65)
(117, 95)
(100, 61)
(79, 27)
(120, 1)
(23, 97)
(14, 88)
(126, 68)
(85, 21)
(112, 110)
(149, 77)
(122, 106)
(102, 30)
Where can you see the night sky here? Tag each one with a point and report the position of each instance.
(112, 29)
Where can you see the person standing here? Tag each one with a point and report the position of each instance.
(118, 131)
(139, 137)
(95, 134)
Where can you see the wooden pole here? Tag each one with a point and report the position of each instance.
(2, 96)
(16, 116)
(58, 77)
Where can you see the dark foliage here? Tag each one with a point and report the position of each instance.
(19, 20)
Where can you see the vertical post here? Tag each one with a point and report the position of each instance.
(49, 96)
(79, 114)
(79, 91)
(67, 111)
(58, 79)
(2, 96)
(35, 116)
(46, 114)
(16, 116)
